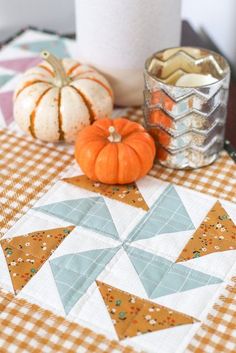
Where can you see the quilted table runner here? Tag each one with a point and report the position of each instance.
(87, 267)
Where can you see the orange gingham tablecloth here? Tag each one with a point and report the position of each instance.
(24, 326)
(27, 170)
(32, 168)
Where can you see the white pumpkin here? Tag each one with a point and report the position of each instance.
(57, 98)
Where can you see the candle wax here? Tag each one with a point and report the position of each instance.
(195, 80)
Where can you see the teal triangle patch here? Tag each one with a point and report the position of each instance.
(160, 276)
(167, 215)
(4, 79)
(74, 273)
(56, 47)
(91, 213)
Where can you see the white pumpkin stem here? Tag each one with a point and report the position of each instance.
(61, 79)
(114, 136)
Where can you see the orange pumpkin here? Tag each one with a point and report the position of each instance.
(115, 151)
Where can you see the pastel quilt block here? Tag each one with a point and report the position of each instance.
(91, 213)
(20, 64)
(55, 46)
(167, 215)
(4, 78)
(160, 276)
(112, 274)
(141, 263)
(74, 273)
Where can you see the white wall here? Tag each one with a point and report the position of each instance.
(217, 17)
(56, 15)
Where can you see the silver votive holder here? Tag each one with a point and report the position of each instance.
(187, 123)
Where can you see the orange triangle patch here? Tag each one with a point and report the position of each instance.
(133, 316)
(25, 254)
(216, 233)
(128, 194)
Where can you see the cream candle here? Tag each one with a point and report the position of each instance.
(195, 80)
(129, 30)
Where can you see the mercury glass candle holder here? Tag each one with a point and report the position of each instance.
(187, 123)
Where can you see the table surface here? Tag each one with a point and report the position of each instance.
(18, 329)
(191, 38)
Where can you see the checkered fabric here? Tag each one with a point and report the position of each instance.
(218, 179)
(218, 333)
(27, 170)
(26, 327)
(135, 114)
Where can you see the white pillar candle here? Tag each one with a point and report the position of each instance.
(116, 37)
(195, 80)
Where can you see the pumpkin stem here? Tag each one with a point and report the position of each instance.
(61, 79)
(114, 136)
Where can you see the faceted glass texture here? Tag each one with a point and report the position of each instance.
(187, 123)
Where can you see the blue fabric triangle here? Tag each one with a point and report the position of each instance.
(160, 276)
(4, 79)
(91, 213)
(167, 215)
(74, 273)
(56, 47)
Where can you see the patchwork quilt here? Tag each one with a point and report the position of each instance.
(140, 266)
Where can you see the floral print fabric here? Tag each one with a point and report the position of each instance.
(128, 194)
(25, 254)
(132, 316)
(217, 232)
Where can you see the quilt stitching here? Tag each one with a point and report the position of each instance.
(173, 277)
(179, 276)
(74, 273)
(133, 316)
(31, 322)
(213, 336)
(31, 169)
(89, 212)
(159, 219)
(26, 254)
(128, 194)
(216, 233)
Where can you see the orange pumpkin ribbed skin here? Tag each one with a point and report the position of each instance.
(115, 162)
